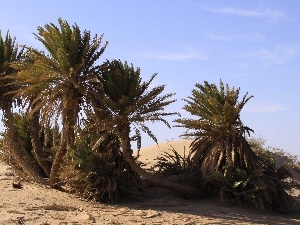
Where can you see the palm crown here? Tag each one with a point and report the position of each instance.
(128, 100)
(218, 132)
(63, 77)
(9, 53)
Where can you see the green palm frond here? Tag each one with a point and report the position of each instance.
(60, 79)
(127, 99)
(10, 52)
(218, 132)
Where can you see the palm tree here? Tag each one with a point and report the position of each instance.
(29, 92)
(127, 106)
(66, 75)
(223, 155)
(9, 54)
(217, 129)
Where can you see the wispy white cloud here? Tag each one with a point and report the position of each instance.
(254, 37)
(174, 56)
(280, 55)
(265, 108)
(267, 14)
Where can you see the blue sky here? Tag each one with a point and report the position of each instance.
(253, 45)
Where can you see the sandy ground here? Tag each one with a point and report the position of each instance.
(35, 204)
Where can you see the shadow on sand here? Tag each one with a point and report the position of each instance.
(162, 200)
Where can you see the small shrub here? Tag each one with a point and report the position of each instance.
(101, 175)
(261, 189)
(178, 168)
(172, 163)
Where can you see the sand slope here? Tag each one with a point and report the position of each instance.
(148, 155)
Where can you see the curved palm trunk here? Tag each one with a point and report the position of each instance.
(127, 151)
(61, 152)
(67, 139)
(36, 143)
(58, 159)
(31, 168)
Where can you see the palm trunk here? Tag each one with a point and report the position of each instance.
(31, 168)
(58, 159)
(54, 174)
(36, 143)
(69, 117)
(127, 151)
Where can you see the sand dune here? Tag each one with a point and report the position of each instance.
(148, 155)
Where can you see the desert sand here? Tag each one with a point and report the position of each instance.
(36, 204)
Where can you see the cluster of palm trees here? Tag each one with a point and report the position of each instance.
(102, 107)
(69, 85)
